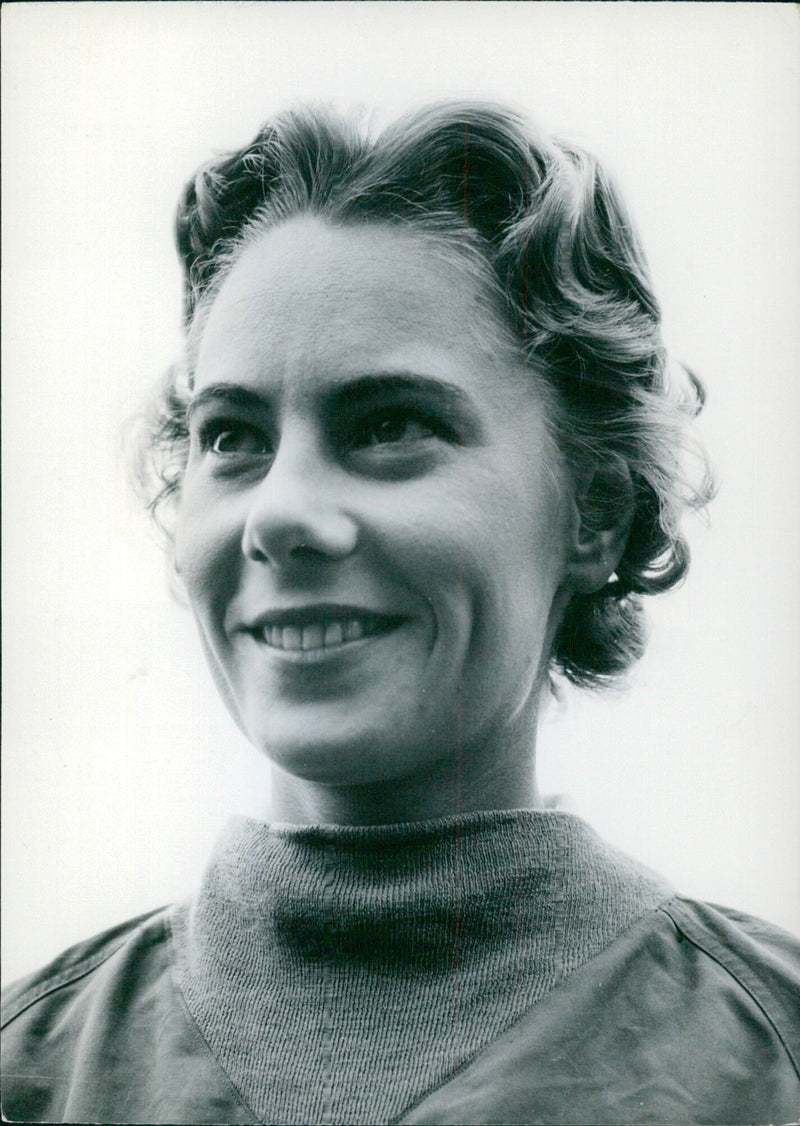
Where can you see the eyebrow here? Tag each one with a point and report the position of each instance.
(448, 395)
(233, 393)
(345, 394)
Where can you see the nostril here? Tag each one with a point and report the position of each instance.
(332, 543)
(303, 550)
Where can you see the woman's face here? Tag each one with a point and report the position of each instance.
(372, 526)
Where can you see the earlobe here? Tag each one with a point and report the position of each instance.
(602, 515)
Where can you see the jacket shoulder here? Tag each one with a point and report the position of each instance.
(102, 1034)
(76, 962)
(692, 1015)
(764, 960)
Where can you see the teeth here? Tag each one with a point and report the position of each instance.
(353, 630)
(318, 636)
(333, 634)
(292, 637)
(313, 637)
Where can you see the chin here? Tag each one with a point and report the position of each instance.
(334, 765)
(341, 753)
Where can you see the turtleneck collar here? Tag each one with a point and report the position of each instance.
(317, 957)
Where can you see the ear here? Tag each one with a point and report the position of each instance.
(603, 509)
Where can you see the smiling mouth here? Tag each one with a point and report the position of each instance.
(310, 631)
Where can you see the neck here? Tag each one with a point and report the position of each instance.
(465, 784)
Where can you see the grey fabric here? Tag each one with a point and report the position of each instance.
(338, 973)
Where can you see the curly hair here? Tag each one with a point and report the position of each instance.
(549, 233)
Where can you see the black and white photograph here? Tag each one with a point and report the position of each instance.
(401, 569)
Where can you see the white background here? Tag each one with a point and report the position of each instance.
(119, 765)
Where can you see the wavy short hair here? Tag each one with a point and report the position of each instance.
(549, 232)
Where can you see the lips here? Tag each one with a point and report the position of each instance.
(318, 628)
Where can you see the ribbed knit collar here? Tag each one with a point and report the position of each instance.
(338, 973)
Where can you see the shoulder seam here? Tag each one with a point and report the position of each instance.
(735, 966)
(67, 976)
(194, 1028)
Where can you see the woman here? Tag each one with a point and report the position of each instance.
(424, 451)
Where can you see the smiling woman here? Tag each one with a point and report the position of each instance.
(375, 508)
(424, 452)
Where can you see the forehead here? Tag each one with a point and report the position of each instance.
(307, 301)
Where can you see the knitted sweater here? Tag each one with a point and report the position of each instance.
(338, 974)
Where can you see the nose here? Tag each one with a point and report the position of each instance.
(296, 513)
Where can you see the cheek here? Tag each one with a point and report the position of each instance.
(484, 554)
(207, 554)
(513, 563)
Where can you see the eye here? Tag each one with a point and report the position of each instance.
(391, 426)
(227, 438)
